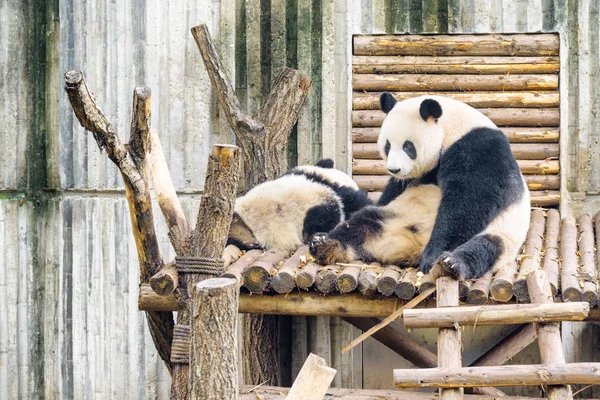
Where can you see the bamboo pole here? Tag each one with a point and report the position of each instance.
(449, 339)
(550, 265)
(258, 274)
(285, 279)
(532, 254)
(549, 339)
(587, 270)
(214, 345)
(496, 315)
(524, 45)
(569, 280)
(506, 375)
(479, 99)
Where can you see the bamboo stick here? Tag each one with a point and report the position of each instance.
(513, 134)
(523, 45)
(449, 339)
(258, 275)
(454, 65)
(285, 279)
(406, 289)
(480, 289)
(367, 279)
(587, 269)
(424, 82)
(532, 254)
(326, 277)
(526, 117)
(569, 280)
(347, 280)
(236, 269)
(387, 282)
(503, 314)
(550, 264)
(306, 277)
(528, 99)
(506, 375)
(549, 339)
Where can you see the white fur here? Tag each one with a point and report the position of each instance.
(429, 137)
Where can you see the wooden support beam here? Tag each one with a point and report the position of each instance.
(251, 392)
(506, 375)
(449, 339)
(532, 254)
(533, 45)
(214, 345)
(587, 271)
(130, 159)
(496, 315)
(551, 260)
(312, 381)
(549, 338)
(569, 277)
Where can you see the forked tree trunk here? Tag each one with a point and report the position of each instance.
(264, 141)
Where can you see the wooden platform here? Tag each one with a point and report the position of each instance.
(513, 79)
(565, 249)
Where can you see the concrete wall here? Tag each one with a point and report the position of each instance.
(69, 327)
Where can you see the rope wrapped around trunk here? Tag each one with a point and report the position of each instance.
(200, 265)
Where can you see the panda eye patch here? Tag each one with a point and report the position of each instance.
(387, 147)
(409, 149)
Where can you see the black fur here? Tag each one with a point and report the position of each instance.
(387, 102)
(472, 259)
(365, 223)
(395, 187)
(325, 163)
(352, 199)
(479, 178)
(409, 149)
(321, 218)
(430, 108)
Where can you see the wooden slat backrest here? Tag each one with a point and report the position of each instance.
(513, 79)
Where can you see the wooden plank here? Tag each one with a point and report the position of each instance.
(454, 65)
(521, 151)
(454, 45)
(514, 134)
(425, 82)
(530, 99)
(449, 345)
(534, 182)
(522, 117)
(313, 380)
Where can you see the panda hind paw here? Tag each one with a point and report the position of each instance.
(326, 250)
(450, 264)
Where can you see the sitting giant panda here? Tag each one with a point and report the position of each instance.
(484, 212)
(286, 212)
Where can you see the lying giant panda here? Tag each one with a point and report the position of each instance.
(286, 212)
(484, 211)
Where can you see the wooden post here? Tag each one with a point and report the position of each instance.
(214, 347)
(130, 159)
(209, 236)
(449, 340)
(263, 141)
(549, 340)
(313, 380)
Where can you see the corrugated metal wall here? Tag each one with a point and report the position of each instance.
(69, 327)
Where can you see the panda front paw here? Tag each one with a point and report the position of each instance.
(451, 264)
(428, 257)
(327, 250)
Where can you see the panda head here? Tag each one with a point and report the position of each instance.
(411, 136)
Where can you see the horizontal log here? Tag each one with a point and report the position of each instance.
(527, 99)
(506, 375)
(544, 198)
(523, 45)
(375, 183)
(424, 82)
(454, 65)
(513, 134)
(502, 314)
(252, 392)
(533, 117)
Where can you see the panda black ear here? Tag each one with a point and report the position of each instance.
(430, 108)
(325, 163)
(387, 102)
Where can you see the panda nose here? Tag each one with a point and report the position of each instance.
(394, 170)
